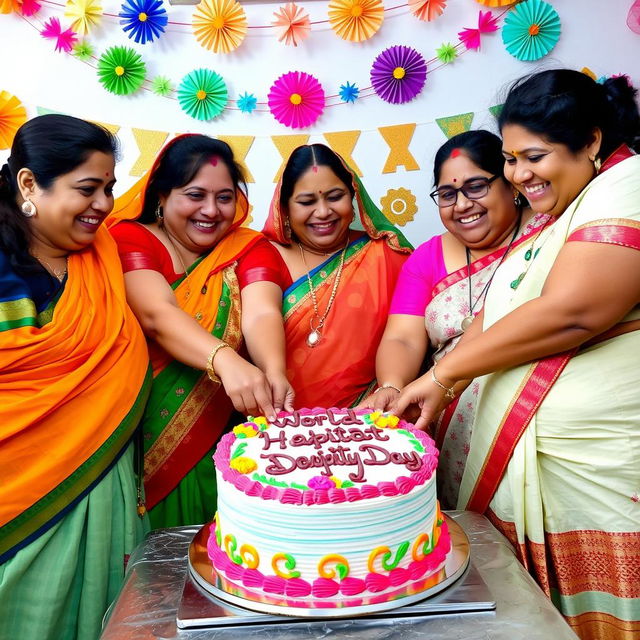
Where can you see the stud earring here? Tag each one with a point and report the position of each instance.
(597, 164)
(28, 208)
(159, 214)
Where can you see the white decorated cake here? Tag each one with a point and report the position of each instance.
(327, 508)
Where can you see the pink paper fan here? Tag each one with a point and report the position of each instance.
(30, 8)
(296, 99)
(633, 17)
(64, 39)
(486, 24)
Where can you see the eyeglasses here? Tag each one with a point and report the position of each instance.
(472, 189)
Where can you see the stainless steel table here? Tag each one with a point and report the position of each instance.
(147, 605)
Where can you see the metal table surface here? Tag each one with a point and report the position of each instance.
(148, 601)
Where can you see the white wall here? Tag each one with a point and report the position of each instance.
(594, 34)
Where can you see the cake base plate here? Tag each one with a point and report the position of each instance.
(205, 603)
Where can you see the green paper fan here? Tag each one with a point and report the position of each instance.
(121, 70)
(531, 29)
(202, 94)
(161, 86)
(446, 53)
(83, 50)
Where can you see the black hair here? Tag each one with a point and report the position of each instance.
(566, 106)
(306, 156)
(179, 164)
(50, 146)
(483, 148)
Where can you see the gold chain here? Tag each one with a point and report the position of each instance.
(59, 274)
(187, 293)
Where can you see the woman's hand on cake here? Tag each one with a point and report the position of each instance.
(427, 395)
(281, 391)
(380, 400)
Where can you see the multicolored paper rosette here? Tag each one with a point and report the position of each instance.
(531, 29)
(427, 10)
(291, 23)
(296, 99)
(12, 116)
(220, 25)
(121, 70)
(84, 15)
(398, 74)
(143, 20)
(202, 94)
(356, 20)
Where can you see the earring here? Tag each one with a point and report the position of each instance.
(159, 214)
(597, 164)
(28, 208)
(287, 228)
(516, 197)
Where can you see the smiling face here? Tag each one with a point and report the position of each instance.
(548, 174)
(199, 213)
(320, 210)
(72, 209)
(482, 223)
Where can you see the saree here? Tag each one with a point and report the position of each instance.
(555, 449)
(340, 370)
(447, 306)
(187, 412)
(66, 425)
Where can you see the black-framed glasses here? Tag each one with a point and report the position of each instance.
(473, 189)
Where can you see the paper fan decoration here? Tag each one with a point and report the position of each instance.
(161, 86)
(12, 116)
(64, 39)
(446, 53)
(202, 94)
(143, 20)
(398, 74)
(356, 20)
(633, 17)
(296, 99)
(471, 37)
(121, 70)
(496, 3)
(83, 50)
(349, 92)
(531, 29)
(84, 15)
(247, 102)
(291, 24)
(220, 25)
(427, 10)
(9, 6)
(29, 8)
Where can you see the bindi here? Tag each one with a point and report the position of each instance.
(455, 153)
(314, 168)
(213, 161)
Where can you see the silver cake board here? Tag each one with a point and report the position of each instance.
(462, 590)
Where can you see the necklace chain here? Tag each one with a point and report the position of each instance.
(59, 274)
(315, 335)
(187, 283)
(530, 255)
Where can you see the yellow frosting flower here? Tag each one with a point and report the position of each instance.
(393, 421)
(245, 431)
(337, 481)
(243, 465)
(374, 416)
(260, 421)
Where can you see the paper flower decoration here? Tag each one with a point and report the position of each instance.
(296, 99)
(446, 53)
(291, 24)
(143, 20)
(121, 70)
(496, 3)
(9, 6)
(12, 116)
(220, 25)
(53, 31)
(356, 20)
(83, 50)
(247, 102)
(349, 92)
(161, 86)
(427, 10)
(633, 17)
(399, 206)
(398, 74)
(531, 29)
(471, 37)
(202, 94)
(84, 14)
(29, 8)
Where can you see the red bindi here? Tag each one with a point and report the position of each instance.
(455, 153)
(455, 180)
(213, 161)
(314, 168)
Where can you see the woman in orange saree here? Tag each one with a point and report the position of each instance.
(73, 383)
(343, 257)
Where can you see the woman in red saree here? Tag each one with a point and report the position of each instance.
(342, 258)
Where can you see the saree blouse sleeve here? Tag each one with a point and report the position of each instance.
(422, 270)
(263, 263)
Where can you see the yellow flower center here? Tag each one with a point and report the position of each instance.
(142, 17)
(356, 11)
(201, 95)
(534, 30)
(218, 22)
(119, 70)
(399, 73)
(295, 98)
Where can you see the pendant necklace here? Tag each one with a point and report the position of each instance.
(315, 335)
(59, 274)
(468, 319)
(530, 255)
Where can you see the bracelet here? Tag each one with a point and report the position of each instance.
(449, 392)
(210, 370)
(387, 386)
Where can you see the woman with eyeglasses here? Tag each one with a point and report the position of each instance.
(443, 285)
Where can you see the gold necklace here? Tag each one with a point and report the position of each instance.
(315, 253)
(315, 335)
(59, 274)
(530, 255)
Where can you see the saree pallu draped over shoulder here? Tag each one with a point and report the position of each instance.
(555, 450)
(71, 392)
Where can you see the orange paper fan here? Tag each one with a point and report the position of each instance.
(427, 10)
(12, 116)
(220, 25)
(356, 20)
(8, 6)
(496, 3)
(291, 23)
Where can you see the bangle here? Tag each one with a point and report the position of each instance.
(210, 370)
(449, 392)
(387, 386)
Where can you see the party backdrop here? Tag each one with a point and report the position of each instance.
(382, 82)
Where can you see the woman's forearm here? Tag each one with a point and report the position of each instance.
(264, 336)
(397, 362)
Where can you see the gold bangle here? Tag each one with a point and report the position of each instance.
(449, 392)
(210, 370)
(387, 386)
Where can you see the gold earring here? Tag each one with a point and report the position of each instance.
(28, 208)
(159, 214)
(597, 164)
(287, 228)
